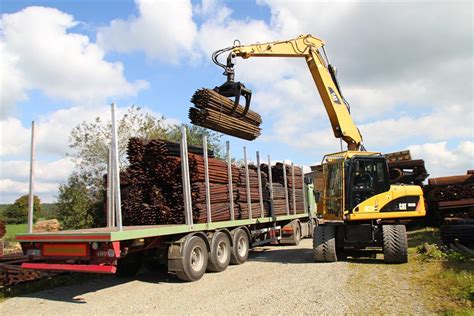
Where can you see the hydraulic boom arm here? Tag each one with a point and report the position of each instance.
(323, 75)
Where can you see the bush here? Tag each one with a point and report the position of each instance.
(17, 213)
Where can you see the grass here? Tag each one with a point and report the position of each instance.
(445, 277)
(13, 229)
(435, 280)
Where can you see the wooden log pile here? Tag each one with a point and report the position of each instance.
(407, 171)
(279, 197)
(214, 111)
(254, 194)
(450, 188)
(152, 191)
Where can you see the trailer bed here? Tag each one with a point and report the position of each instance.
(136, 232)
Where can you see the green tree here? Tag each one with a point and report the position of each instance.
(75, 203)
(90, 143)
(17, 213)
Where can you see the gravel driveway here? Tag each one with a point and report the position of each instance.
(274, 280)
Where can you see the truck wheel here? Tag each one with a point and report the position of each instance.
(395, 244)
(296, 235)
(240, 250)
(220, 252)
(324, 243)
(194, 258)
(128, 266)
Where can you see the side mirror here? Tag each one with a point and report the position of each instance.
(308, 180)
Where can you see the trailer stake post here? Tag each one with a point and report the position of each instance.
(293, 192)
(271, 185)
(247, 183)
(260, 193)
(116, 171)
(31, 201)
(206, 179)
(285, 181)
(306, 209)
(188, 209)
(229, 176)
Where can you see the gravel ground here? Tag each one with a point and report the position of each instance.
(281, 280)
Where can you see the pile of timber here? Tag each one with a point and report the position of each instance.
(279, 194)
(214, 111)
(152, 190)
(11, 272)
(407, 171)
(243, 205)
(447, 190)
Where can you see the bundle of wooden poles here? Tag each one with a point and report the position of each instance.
(451, 188)
(152, 187)
(214, 111)
(279, 194)
(152, 190)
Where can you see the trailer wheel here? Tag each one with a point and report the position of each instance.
(296, 234)
(128, 266)
(195, 257)
(240, 249)
(324, 243)
(395, 244)
(220, 252)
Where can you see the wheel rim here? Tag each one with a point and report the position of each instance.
(222, 252)
(242, 246)
(197, 258)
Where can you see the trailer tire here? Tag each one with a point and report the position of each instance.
(395, 246)
(128, 266)
(220, 254)
(296, 235)
(195, 258)
(324, 243)
(241, 246)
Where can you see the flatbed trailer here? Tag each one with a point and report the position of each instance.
(187, 249)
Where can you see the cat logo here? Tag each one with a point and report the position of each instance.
(333, 94)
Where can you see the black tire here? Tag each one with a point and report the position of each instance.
(395, 245)
(324, 243)
(221, 251)
(195, 258)
(128, 266)
(241, 246)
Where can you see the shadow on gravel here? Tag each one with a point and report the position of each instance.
(286, 256)
(72, 293)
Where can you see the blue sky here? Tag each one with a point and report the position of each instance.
(403, 83)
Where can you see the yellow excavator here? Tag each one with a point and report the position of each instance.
(358, 209)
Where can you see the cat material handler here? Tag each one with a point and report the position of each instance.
(359, 210)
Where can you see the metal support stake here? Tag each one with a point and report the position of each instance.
(116, 171)
(188, 208)
(110, 197)
(293, 192)
(31, 200)
(229, 176)
(285, 181)
(247, 183)
(206, 179)
(260, 192)
(271, 185)
(305, 202)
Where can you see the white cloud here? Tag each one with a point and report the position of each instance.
(442, 161)
(45, 171)
(162, 29)
(41, 53)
